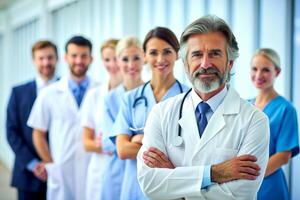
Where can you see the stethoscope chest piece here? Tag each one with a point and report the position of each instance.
(178, 141)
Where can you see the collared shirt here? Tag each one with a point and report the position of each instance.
(78, 89)
(213, 103)
(41, 83)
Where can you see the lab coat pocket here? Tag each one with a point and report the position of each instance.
(223, 154)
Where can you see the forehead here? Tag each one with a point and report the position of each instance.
(73, 48)
(157, 43)
(207, 41)
(108, 51)
(44, 51)
(261, 61)
(130, 51)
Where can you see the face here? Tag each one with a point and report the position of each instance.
(161, 56)
(110, 62)
(207, 64)
(263, 72)
(78, 59)
(131, 62)
(45, 60)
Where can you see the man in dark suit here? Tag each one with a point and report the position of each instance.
(29, 173)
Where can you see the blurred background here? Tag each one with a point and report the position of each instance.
(256, 23)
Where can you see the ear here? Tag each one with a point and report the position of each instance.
(277, 70)
(230, 64)
(66, 57)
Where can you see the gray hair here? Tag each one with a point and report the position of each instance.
(270, 54)
(127, 42)
(209, 24)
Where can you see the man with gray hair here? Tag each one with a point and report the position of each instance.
(208, 143)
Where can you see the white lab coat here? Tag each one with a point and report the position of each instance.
(56, 111)
(92, 117)
(236, 128)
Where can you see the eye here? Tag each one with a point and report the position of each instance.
(153, 53)
(214, 54)
(196, 54)
(136, 58)
(167, 52)
(125, 59)
(266, 70)
(106, 59)
(254, 69)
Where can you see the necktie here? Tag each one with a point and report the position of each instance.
(200, 112)
(78, 93)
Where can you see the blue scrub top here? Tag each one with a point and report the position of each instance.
(135, 118)
(283, 137)
(114, 170)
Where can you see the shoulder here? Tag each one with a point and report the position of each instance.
(24, 86)
(171, 104)
(285, 104)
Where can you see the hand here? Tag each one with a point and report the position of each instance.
(137, 138)
(40, 171)
(241, 167)
(154, 158)
(98, 140)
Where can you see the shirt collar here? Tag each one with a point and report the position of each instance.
(213, 102)
(41, 83)
(74, 85)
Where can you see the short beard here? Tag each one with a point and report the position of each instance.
(207, 86)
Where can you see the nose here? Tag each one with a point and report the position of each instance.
(131, 64)
(160, 58)
(205, 62)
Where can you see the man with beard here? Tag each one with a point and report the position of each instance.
(56, 111)
(208, 143)
(29, 173)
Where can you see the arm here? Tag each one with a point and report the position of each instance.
(89, 141)
(186, 181)
(14, 134)
(125, 148)
(41, 145)
(276, 161)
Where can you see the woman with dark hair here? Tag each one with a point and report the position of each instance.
(161, 51)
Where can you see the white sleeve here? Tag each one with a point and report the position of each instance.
(88, 109)
(256, 143)
(158, 183)
(162, 183)
(40, 115)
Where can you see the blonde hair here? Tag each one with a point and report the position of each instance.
(126, 43)
(111, 43)
(270, 54)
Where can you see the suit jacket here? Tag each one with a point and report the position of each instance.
(19, 136)
(236, 128)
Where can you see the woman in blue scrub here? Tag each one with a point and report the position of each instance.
(130, 59)
(161, 51)
(265, 67)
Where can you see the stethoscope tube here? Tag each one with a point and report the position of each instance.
(180, 110)
(142, 96)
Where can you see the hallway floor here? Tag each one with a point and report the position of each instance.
(6, 192)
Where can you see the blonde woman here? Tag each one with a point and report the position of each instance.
(92, 122)
(265, 68)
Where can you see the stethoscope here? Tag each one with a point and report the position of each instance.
(178, 141)
(143, 98)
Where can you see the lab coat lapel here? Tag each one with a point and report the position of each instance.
(188, 125)
(65, 90)
(229, 106)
